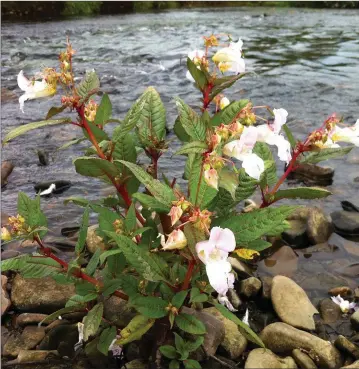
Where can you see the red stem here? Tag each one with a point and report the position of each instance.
(77, 273)
(206, 98)
(188, 276)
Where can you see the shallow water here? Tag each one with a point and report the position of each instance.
(306, 61)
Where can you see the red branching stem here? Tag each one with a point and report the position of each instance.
(76, 124)
(174, 180)
(77, 272)
(206, 98)
(188, 277)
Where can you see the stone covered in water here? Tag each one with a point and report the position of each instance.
(292, 304)
(346, 223)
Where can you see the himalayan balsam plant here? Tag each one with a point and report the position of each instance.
(167, 246)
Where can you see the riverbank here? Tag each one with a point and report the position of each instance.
(50, 10)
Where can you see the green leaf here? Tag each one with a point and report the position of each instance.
(248, 227)
(174, 364)
(92, 321)
(106, 338)
(108, 253)
(106, 219)
(190, 324)
(270, 172)
(104, 111)
(193, 235)
(201, 194)
(151, 126)
(80, 244)
(194, 345)
(89, 85)
(197, 74)
(54, 111)
(247, 186)
(56, 314)
(325, 154)
(75, 141)
(301, 193)
(223, 203)
(31, 211)
(149, 265)
(188, 167)
(150, 307)
(77, 300)
(18, 131)
(223, 83)
(289, 135)
(151, 203)
(92, 265)
(160, 191)
(191, 364)
(243, 327)
(178, 299)
(99, 133)
(229, 114)
(229, 181)
(180, 131)
(137, 327)
(194, 147)
(130, 220)
(197, 296)
(96, 167)
(257, 245)
(168, 351)
(190, 121)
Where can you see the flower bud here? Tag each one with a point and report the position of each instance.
(211, 178)
(175, 214)
(224, 102)
(176, 240)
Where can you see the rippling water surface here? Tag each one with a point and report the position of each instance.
(306, 61)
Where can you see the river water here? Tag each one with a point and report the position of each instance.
(306, 61)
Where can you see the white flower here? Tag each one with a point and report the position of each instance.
(230, 58)
(345, 305)
(223, 103)
(115, 348)
(33, 89)
(176, 240)
(347, 134)
(196, 56)
(269, 133)
(214, 254)
(211, 178)
(242, 150)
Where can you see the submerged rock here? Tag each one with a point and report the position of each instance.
(346, 223)
(234, 343)
(260, 358)
(250, 287)
(282, 338)
(61, 186)
(40, 294)
(292, 304)
(349, 206)
(312, 175)
(284, 261)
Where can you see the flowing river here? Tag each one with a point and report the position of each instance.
(304, 60)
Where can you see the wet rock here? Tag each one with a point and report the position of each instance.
(61, 186)
(214, 336)
(234, 343)
(40, 295)
(6, 169)
(32, 336)
(26, 356)
(284, 261)
(308, 225)
(118, 311)
(30, 318)
(312, 174)
(93, 241)
(8, 254)
(5, 300)
(354, 319)
(329, 311)
(240, 267)
(344, 345)
(8, 95)
(292, 304)
(354, 365)
(282, 338)
(136, 364)
(343, 291)
(262, 358)
(234, 298)
(349, 206)
(5, 334)
(266, 287)
(346, 223)
(13, 346)
(56, 323)
(43, 157)
(250, 287)
(303, 360)
(218, 362)
(70, 231)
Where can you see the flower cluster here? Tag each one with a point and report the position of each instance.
(17, 227)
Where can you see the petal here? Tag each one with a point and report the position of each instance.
(23, 83)
(217, 273)
(211, 178)
(232, 149)
(204, 249)
(253, 165)
(225, 240)
(248, 138)
(224, 301)
(280, 118)
(336, 299)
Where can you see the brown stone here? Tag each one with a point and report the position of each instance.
(343, 291)
(30, 318)
(5, 300)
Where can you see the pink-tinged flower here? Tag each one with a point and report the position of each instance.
(347, 134)
(242, 150)
(115, 348)
(175, 214)
(211, 178)
(33, 89)
(214, 254)
(224, 102)
(269, 133)
(230, 58)
(196, 56)
(345, 305)
(176, 240)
